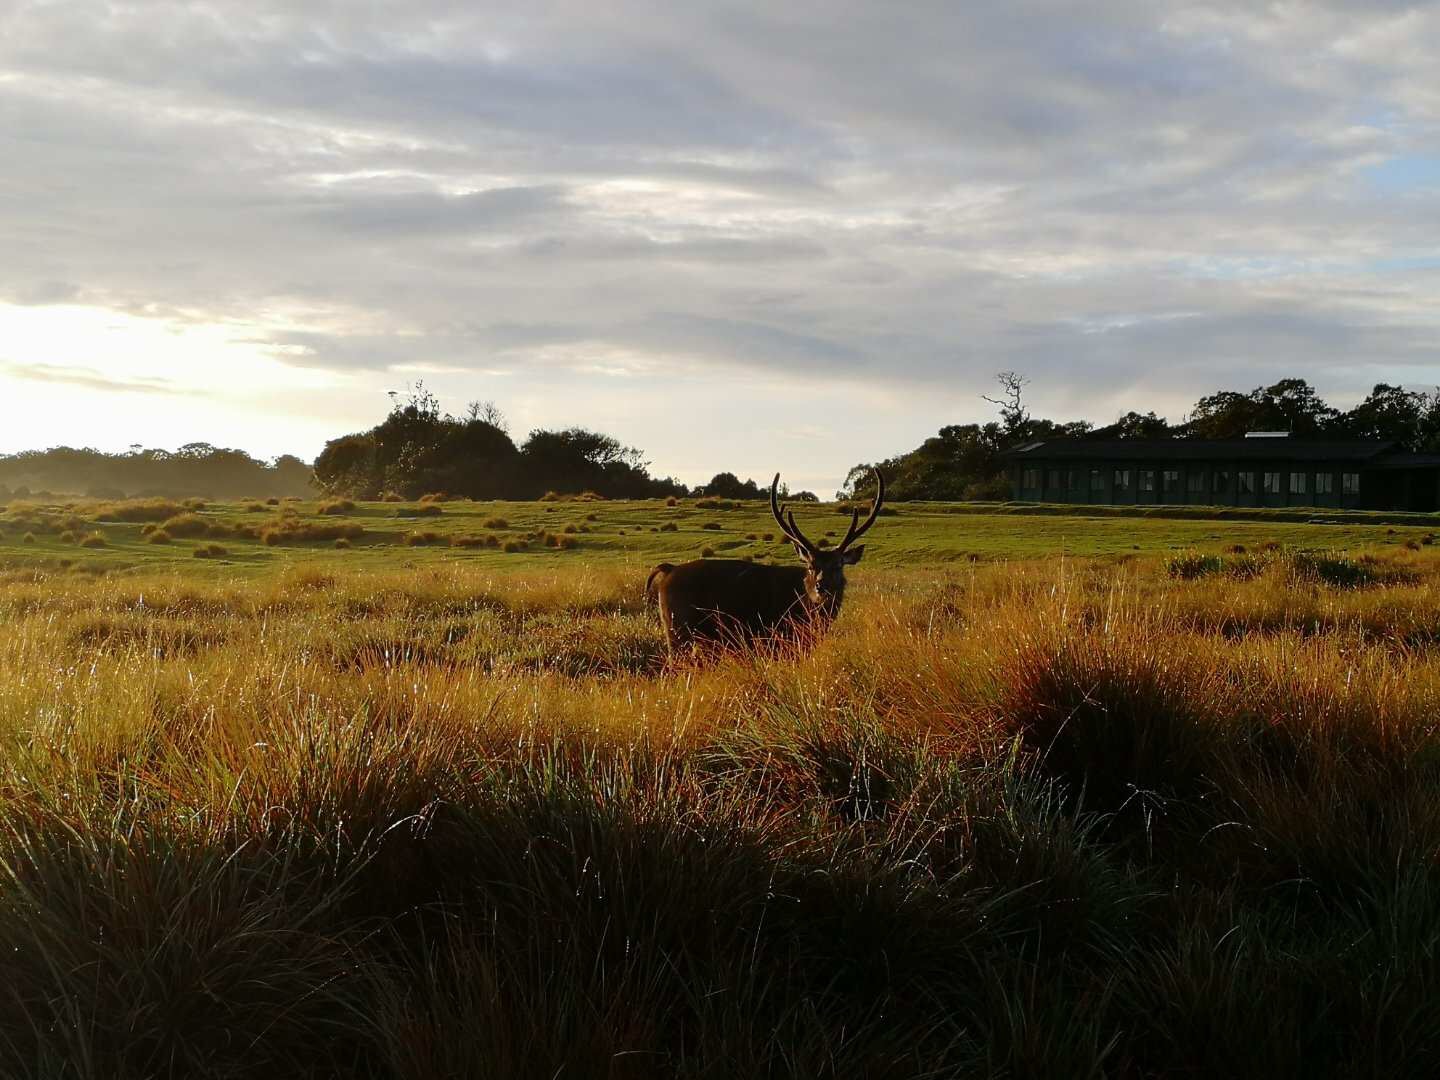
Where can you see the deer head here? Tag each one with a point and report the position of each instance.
(825, 567)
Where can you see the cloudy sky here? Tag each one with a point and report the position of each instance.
(745, 235)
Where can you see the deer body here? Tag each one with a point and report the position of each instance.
(731, 601)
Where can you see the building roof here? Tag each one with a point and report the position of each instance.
(1291, 449)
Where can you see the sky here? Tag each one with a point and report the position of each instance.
(739, 235)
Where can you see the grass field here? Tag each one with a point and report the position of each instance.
(1157, 808)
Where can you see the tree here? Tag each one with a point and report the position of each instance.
(1014, 418)
(1389, 412)
(727, 485)
(1134, 425)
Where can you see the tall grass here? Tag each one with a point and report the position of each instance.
(1075, 819)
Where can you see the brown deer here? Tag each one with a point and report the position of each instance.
(731, 601)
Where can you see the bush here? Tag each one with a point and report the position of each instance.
(336, 506)
(391, 497)
(672, 501)
(435, 497)
(136, 510)
(29, 538)
(422, 510)
(272, 502)
(717, 504)
(342, 544)
(292, 530)
(516, 545)
(94, 540)
(210, 551)
(190, 525)
(707, 553)
(570, 527)
(670, 526)
(713, 526)
(423, 539)
(253, 508)
(1193, 565)
(195, 504)
(159, 536)
(67, 537)
(495, 523)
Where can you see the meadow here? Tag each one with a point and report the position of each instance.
(1058, 795)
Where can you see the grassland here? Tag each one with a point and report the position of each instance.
(1156, 808)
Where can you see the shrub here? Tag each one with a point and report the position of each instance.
(422, 510)
(469, 541)
(769, 538)
(94, 540)
(570, 528)
(1339, 570)
(290, 530)
(336, 506)
(565, 543)
(68, 537)
(272, 501)
(592, 517)
(496, 523)
(29, 538)
(192, 525)
(435, 497)
(253, 508)
(195, 504)
(159, 536)
(210, 551)
(422, 539)
(716, 504)
(707, 553)
(341, 543)
(516, 545)
(391, 497)
(713, 526)
(751, 536)
(1193, 565)
(551, 496)
(136, 510)
(672, 501)
(670, 526)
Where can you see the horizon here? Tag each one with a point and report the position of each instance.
(740, 239)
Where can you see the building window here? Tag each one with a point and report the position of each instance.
(1030, 478)
(1247, 482)
(1272, 483)
(1122, 479)
(1297, 483)
(1350, 483)
(1097, 480)
(1324, 483)
(1053, 478)
(1171, 480)
(1147, 479)
(1221, 480)
(1074, 480)
(1195, 482)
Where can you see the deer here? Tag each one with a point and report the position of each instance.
(733, 601)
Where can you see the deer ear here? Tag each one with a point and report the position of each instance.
(853, 555)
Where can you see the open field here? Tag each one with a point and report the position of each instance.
(1159, 808)
(637, 534)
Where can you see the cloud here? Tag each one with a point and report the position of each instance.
(90, 379)
(1135, 203)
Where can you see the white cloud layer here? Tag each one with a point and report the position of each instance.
(820, 226)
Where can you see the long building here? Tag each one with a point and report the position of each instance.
(1254, 471)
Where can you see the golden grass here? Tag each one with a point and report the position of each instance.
(1043, 818)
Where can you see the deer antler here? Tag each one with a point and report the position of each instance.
(791, 530)
(857, 530)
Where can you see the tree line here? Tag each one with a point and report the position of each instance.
(962, 461)
(419, 449)
(194, 469)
